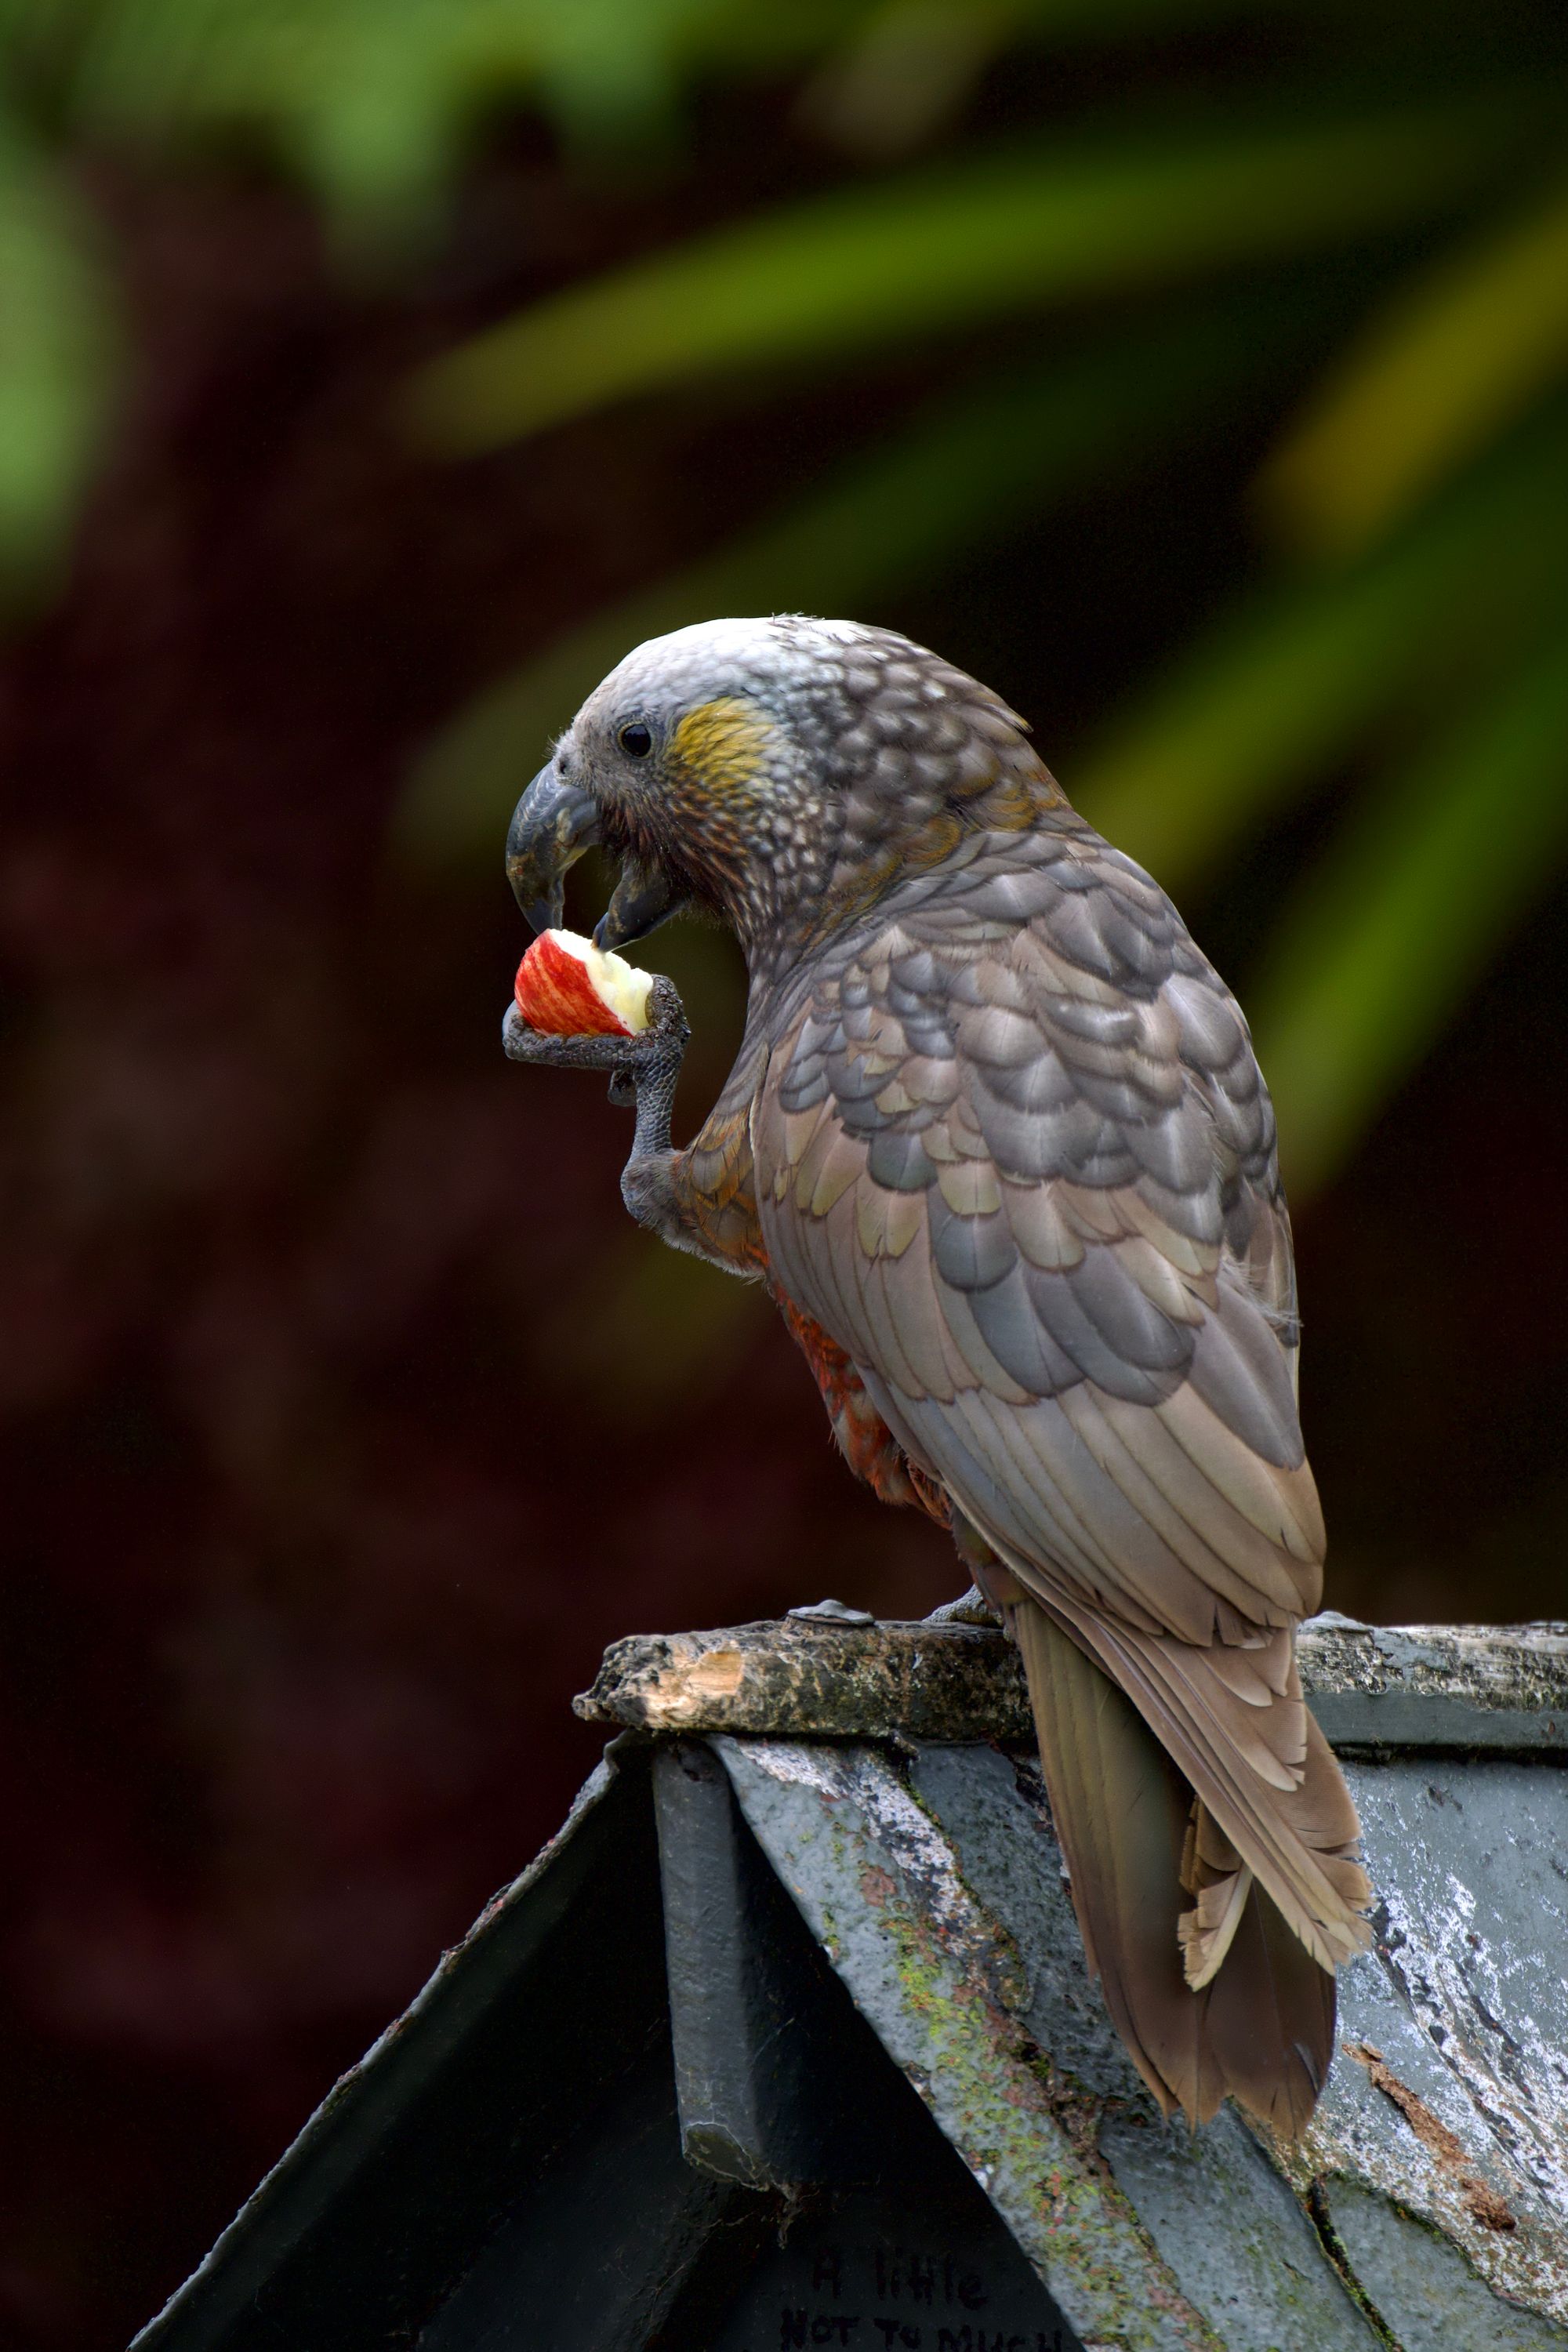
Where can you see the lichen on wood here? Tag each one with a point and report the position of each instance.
(1470, 1687)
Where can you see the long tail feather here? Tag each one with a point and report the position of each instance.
(1265, 1774)
(1121, 1813)
(1270, 2020)
(1259, 2027)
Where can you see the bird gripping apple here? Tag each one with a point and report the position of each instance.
(998, 1145)
(566, 987)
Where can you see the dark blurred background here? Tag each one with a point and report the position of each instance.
(372, 374)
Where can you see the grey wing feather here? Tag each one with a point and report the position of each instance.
(1077, 1153)
(1016, 1156)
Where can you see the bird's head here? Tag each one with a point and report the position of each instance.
(782, 773)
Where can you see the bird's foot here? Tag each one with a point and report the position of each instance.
(651, 1058)
(971, 1609)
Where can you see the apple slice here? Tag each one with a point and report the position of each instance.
(566, 987)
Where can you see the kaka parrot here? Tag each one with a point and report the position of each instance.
(996, 1143)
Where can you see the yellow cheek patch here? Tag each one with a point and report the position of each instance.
(724, 742)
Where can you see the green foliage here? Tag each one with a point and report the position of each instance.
(943, 486)
(940, 250)
(57, 340)
(1471, 349)
(1400, 645)
(1280, 692)
(1428, 875)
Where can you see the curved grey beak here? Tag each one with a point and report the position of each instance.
(552, 825)
(642, 899)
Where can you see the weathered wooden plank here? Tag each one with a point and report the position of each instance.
(1499, 1687)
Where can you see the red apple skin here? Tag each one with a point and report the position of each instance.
(556, 996)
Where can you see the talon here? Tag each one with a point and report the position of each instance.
(971, 1608)
(667, 1014)
(642, 1066)
(587, 1050)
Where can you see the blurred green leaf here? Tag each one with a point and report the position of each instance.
(963, 472)
(373, 102)
(911, 71)
(1426, 495)
(946, 248)
(1392, 929)
(1274, 693)
(58, 361)
(1457, 359)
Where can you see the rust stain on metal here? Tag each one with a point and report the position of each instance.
(1483, 2203)
(877, 1886)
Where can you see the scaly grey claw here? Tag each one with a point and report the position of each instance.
(643, 1070)
(627, 1059)
(521, 1044)
(971, 1609)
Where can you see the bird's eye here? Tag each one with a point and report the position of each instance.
(634, 740)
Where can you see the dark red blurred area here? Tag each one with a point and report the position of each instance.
(345, 1419)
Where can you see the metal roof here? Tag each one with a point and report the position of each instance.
(641, 2065)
